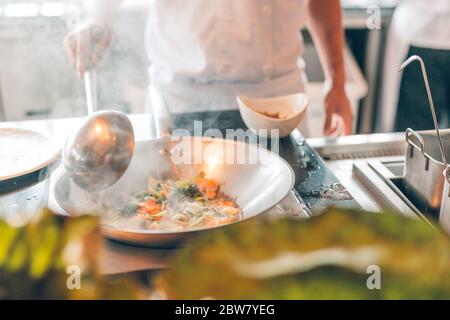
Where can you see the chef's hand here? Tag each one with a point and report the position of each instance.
(86, 44)
(338, 112)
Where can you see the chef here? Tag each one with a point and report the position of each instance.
(204, 53)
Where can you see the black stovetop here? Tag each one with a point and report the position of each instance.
(315, 184)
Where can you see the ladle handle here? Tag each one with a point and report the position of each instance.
(90, 86)
(430, 100)
(161, 116)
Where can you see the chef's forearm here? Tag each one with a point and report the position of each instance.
(103, 11)
(325, 26)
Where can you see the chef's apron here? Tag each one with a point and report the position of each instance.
(185, 98)
(182, 98)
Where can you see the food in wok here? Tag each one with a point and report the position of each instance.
(340, 254)
(249, 174)
(177, 205)
(274, 115)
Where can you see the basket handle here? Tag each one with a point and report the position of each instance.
(430, 100)
(410, 132)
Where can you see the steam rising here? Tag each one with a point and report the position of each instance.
(37, 79)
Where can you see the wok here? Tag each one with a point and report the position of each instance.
(256, 185)
(257, 178)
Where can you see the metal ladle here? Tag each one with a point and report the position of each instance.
(99, 152)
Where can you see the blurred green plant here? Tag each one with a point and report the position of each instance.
(37, 260)
(326, 257)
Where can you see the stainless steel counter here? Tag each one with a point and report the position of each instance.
(341, 154)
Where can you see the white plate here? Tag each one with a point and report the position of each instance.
(24, 151)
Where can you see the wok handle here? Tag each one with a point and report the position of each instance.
(161, 116)
(410, 132)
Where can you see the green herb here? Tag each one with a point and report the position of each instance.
(188, 189)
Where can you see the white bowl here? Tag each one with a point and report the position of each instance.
(292, 107)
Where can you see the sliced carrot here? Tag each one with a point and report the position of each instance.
(228, 203)
(150, 206)
(208, 187)
(212, 185)
(154, 209)
(210, 195)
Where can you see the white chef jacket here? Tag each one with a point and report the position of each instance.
(421, 23)
(205, 52)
